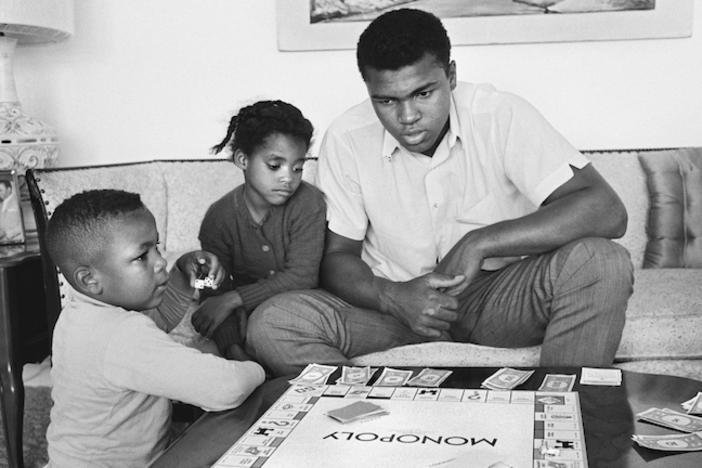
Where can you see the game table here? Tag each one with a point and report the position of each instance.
(607, 416)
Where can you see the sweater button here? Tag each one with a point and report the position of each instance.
(265, 248)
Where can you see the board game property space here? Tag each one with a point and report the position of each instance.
(414, 427)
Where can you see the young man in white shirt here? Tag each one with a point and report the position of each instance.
(455, 212)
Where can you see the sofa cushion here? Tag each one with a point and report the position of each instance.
(663, 319)
(623, 172)
(674, 226)
(449, 354)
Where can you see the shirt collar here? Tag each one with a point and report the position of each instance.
(391, 146)
(75, 295)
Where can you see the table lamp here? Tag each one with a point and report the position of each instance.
(27, 142)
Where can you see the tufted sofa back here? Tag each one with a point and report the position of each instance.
(178, 193)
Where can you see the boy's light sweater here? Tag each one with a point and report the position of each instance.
(114, 373)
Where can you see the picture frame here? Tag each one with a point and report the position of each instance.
(668, 19)
(11, 221)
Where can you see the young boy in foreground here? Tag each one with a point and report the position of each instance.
(115, 369)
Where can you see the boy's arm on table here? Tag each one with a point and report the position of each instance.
(143, 358)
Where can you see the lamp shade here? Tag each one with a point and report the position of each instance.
(36, 21)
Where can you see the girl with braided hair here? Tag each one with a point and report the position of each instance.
(268, 232)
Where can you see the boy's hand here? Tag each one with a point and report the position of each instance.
(201, 263)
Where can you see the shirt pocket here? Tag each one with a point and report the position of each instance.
(485, 212)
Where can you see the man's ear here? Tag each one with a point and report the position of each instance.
(240, 159)
(452, 74)
(86, 281)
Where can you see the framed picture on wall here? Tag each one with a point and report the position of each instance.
(11, 225)
(328, 25)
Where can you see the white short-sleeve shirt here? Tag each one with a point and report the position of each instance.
(499, 160)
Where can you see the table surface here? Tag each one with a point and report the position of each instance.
(608, 419)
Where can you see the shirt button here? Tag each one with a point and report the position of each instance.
(271, 273)
(436, 205)
(265, 248)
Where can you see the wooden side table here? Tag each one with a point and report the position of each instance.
(23, 329)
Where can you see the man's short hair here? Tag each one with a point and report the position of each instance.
(400, 38)
(77, 230)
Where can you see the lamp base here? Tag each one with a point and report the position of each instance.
(25, 142)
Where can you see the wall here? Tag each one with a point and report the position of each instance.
(160, 78)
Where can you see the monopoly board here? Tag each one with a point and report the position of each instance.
(416, 427)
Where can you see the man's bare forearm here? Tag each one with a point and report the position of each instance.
(554, 225)
(350, 278)
(587, 212)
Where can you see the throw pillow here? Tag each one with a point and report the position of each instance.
(674, 226)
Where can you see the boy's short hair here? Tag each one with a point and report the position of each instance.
(76, 231)
(400, 38)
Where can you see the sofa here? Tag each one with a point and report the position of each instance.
(664, 315)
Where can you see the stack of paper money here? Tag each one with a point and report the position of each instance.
(671, 443)
(690, 425)
(597, 376)
(507, 379)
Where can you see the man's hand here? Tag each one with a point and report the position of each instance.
(201, 263)
(463, 259)
(213, 311)
(422, 304)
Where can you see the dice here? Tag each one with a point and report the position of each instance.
(202, 283)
